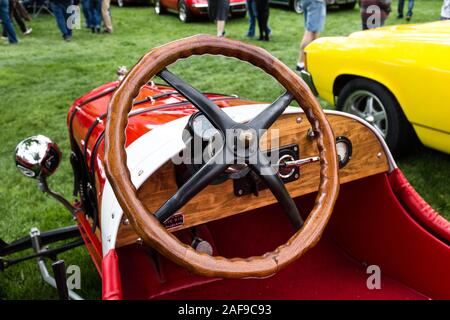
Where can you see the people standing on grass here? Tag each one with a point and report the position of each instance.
(20, 14)
(252, 13)
(95, 15)
(445, 10)
(106, 15)
(218, 12)
(6, 22)
(374, 13)
(401, 5)
(314, 13)
(59, 9)
(262, 14)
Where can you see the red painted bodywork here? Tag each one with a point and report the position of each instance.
(199, 7)
(379, 220)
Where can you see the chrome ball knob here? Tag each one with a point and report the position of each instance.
(37, 156)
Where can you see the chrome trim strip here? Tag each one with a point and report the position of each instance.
(307, 77)
(392, 164)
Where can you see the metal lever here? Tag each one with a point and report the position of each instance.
(297, 163)
(59, 270)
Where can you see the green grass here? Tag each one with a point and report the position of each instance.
(42, 76)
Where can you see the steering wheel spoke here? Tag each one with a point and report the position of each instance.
(265, 119)
(214, 114)
(196, 183)
(278, 189)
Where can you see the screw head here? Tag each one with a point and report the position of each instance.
(299, 120)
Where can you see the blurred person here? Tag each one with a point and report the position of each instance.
(262, 14)
(106, 15)
(314, 12)
(6, 22)
(95, 14)
(59, 9)
(374, 13)
(445, 10)
(86, 13)
(21, 15)
(218, 12)
(252, 13)
(401, 5)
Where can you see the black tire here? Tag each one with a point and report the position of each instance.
(397, 131)
(239, 15)
(159, 8)
(296, 5)
(183, 12)
(348, 6)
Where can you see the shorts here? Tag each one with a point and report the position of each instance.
(314, 12)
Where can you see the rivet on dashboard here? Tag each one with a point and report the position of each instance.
(139, 241)
(296, 176)
(240, 192)
(379, 154)
(126, 222)
(299, 120)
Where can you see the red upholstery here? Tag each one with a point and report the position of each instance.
(369, 226)
(419, 208)
(111, 281)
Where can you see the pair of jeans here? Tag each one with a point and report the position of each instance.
(262, 9)
(252, 13)
(59, 9)
(86, 12)
(95, 13)
(6, 21)
(401, 5)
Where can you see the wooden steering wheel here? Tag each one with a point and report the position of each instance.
(148, 226)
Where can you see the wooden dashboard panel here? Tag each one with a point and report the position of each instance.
(218, 201)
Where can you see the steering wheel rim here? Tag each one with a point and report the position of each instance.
(148, 227)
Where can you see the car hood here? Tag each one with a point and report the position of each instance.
(438, 32)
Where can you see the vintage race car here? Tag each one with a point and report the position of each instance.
(189, 195)
(396, 78)
(187, 10)
(296, 5)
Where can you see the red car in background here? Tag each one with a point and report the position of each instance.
(189, 9)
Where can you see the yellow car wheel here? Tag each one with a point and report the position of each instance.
(372, 102)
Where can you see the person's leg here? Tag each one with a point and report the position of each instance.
(58, 11)
(401, 5)
(266, 11)
(315, 13)
(19, 20)
(106, 15)
(220, 28)
(260, 18)
(86, 12)
(410, 9)
(95, 14)
(6, 21)
(251, 8)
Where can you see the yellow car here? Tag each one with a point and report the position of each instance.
(396, 78)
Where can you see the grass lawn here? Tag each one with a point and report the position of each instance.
(41, 77)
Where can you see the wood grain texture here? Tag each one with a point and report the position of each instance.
(148, 227)
(219, 201)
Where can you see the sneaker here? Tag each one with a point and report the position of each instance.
(28, 31)
(399, 16)
(67, 38)
(4, 38)
(408, 18)
(299, 68)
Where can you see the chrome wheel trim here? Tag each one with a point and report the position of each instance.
(157, 7)
(298, 6)
(366, 105)
(182, 12)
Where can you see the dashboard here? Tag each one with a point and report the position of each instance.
(360, 154)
